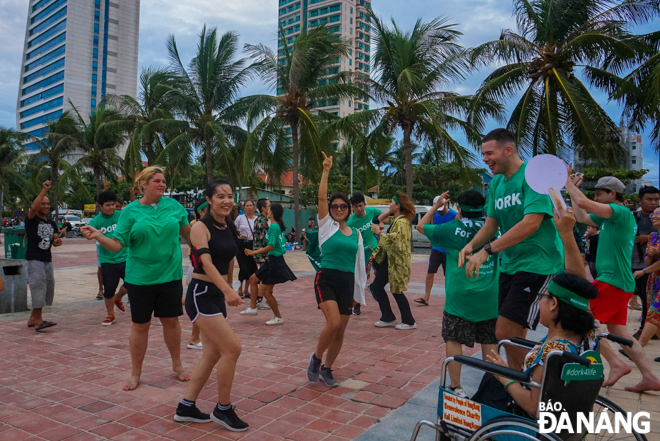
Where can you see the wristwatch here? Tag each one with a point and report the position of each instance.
(487, 249)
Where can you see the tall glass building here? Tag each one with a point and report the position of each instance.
(75, 50)
(347, 18)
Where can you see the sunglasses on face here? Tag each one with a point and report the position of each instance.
(342, 207)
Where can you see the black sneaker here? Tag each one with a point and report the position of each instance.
(313, 369)
(327, 377)
(356, 309)
(229, 419)
(191, 414)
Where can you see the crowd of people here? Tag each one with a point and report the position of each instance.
(511, 261)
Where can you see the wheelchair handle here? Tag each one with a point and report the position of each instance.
(523, 342)
(493, 368)
(576, 358)
(617, 339)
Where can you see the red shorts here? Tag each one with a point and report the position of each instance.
(611, 305)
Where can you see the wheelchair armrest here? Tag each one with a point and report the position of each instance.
(523, 342)
(493, 368)
(617, 339)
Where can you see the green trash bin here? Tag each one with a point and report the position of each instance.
(15, 242)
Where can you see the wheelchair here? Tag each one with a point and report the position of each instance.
(461, 419)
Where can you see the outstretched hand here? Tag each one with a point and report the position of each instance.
(89, 232)
(564, 219)
(327, 162)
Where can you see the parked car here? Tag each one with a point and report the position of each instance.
(75, 222)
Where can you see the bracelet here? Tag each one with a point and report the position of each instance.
(509, 384)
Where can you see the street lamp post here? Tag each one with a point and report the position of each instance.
(351, 194)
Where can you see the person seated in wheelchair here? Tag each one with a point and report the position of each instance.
(563, 309)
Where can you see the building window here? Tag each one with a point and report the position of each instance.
(94, 78)
(95, 66)
(97, 15)
(350, 103)
(350, 62)
(96, 40)
(351, 20)
(97, 3)
(634, 161)
(96, 28)
(93, 90)
(93, 104)
(351, 9)
(95, 53)
(351, 31)
(350, 51)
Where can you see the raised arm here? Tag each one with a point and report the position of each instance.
(582, 205)
(428, 217)
(110, 244)
(573, 263)
(323, 187)
(36, 204)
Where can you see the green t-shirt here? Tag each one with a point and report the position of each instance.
(615, 246)
(509, 200)
(474, 300)
(106, 225)
(339, 252)
(277, 239)
(363, 225)
(152, 237)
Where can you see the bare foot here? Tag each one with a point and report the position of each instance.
(645, 385)
(132, 384)
(616, 374)
(182, 373)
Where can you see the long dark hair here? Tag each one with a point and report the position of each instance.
(211, 190)
(570, 317)
(278, 212)
(199, 202)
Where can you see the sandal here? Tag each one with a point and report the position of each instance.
(99, 296)
(421, 301)
(45, 324)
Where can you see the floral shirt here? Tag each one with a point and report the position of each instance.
(653, 283)
(538, 354)
(395, 247)
(260, 237)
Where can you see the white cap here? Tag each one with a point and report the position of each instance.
(435, 201)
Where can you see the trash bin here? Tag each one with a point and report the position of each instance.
(14, 297)
(15, 242)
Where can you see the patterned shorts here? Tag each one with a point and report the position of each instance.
(458, 329)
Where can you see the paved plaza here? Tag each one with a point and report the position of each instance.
(65, 383)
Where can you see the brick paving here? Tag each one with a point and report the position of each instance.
(66, 383)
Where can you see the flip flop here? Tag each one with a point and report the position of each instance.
(99, 297)
(31, 326)
(45, 324)
(421, 301)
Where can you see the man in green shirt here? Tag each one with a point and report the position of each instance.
(615, 282)
(113, 265)
(362, 219)
(471, 303)
(530, 255)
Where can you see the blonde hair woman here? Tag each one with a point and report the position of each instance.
(151, 229)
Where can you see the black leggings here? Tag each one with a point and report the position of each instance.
(378, 290)
(640, 290)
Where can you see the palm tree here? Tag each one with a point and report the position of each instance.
(408, 69)
(202, 95)
(151, 114)
(302, 79)
(11, 157)
(61, 137)
(100, 138)
(381, 153)
(640, 90)
(396, 165)
(556, 40)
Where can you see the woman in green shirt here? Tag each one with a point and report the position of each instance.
(342, 268)
(275, 270)
(150, 228)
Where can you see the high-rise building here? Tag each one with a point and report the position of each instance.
(346, 17)
(75, 50)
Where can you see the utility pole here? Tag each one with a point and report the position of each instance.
(351, 193)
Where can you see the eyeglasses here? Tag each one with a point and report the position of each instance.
(342, 207)
(654, 215)
(541, 295)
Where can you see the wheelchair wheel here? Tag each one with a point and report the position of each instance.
(603, 404)
(511, 428)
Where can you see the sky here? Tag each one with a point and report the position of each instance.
(256, 22)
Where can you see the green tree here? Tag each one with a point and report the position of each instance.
(556, 40)
(396, 166)
(409, 68)
(303, 79)
(11, 158)
(204, 93)
(381, 152)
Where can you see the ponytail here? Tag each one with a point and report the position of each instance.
(278, 212)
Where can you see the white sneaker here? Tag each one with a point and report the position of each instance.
(459, 391)
(197, 346)
(404, 327)
(380, 324)
(275, 321)
(249, 311)
(263, 305)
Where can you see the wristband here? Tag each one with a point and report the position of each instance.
(509, 384)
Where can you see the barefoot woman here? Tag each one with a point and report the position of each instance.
(215, 244)
(150, 228)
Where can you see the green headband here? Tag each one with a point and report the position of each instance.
(203, 206)
(396, 199)
(470, 209)
(567, 296)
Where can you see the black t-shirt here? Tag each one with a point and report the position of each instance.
(39, 234)
(591, 248)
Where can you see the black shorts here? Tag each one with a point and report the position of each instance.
(111, 273)
(337, 286)
(458, 329)
(519, 297)
(437, 258)
(163, 300)
(204, 298)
